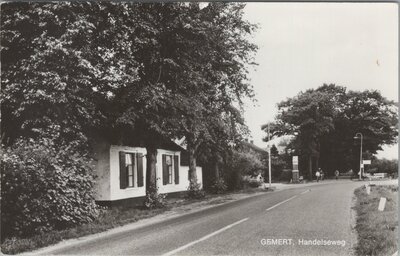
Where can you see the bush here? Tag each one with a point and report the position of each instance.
(286, 175)
(241, 164)
(195, 191)
(45, 186)
(253, 183)
(219, 186)
(153, 199)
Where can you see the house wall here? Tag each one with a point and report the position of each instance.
(183, 174)
(116, 192)
(108, 181)
(184, 170)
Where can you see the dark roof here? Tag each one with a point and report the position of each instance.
(131, 138)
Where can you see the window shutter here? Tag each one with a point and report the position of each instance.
(122, 171)
(176, 169)
(164, 169)
(140, 169)
(133, 159)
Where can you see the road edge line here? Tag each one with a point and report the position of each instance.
(276, 205)
(302, 193)
(204, 238)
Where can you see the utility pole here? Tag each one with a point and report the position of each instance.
(269, 158)
(361, 160)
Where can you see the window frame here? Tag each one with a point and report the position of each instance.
(170, 168)
(131, 178)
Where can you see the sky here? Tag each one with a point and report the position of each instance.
(304, 45)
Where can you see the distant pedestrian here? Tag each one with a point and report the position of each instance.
(321, 172)
(317, 174)
(336, 174)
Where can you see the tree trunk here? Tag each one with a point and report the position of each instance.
(310, 168)
(316, 163)
(192, 165)
(151, 184)
(216, 169)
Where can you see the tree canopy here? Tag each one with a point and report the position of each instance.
(327, 119)
(171, 70)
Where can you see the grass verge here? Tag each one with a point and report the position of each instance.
(108, 219)
(377, 231)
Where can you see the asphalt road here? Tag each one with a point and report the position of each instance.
(298, 216)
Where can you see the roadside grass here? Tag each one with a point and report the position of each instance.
(377, 231)
(108, 219)
(111, 218)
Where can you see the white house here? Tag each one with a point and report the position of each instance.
(121, 173)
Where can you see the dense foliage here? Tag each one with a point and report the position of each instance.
(154, 199)
(74, 71)
(327, 119)
(219, 186)
(383, 165)
(61, 65)
(45, 186)
(243, 162)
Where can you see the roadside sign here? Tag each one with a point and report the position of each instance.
(366, 161)
(382, 203)
(295, 160)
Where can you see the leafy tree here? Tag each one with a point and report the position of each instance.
(70, 69)
(383, 165)
(61, 63)
(187, 79)
(327, 119)
(81, 70)
(311, 114)
(219, 61)
(199, 58)
(274, 151)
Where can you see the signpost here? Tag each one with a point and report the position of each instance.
(295, 171)
(366, 162)
(269, 159)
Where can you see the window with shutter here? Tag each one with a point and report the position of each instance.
(130, 170)
(168, 172)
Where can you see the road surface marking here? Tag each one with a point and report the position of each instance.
(272, 207)
(204, 237)
(305, 192)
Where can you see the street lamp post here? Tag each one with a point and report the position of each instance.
(361, 161)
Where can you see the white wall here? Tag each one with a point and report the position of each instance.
(183, 181)
(116, 192)
(168, 188)
(183, 174)
(108, 174)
